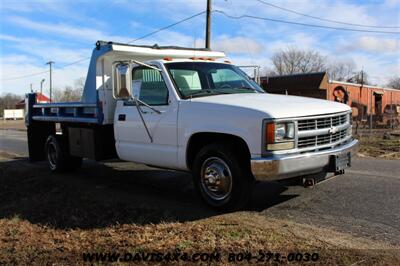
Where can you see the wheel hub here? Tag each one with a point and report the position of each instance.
(216, 178)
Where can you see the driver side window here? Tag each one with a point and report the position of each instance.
(153, 88)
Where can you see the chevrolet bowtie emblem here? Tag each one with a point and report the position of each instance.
(333, 130)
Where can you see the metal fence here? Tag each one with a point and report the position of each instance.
(385, 117)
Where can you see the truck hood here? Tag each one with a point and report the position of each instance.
(275, 105)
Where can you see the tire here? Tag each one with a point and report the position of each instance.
(57, 155)
(218, 162)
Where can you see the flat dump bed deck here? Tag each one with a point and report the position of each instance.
(79, 112)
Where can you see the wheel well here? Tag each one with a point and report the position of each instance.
(199, 140)
(38, 132)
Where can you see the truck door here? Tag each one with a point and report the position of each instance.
(133, 142)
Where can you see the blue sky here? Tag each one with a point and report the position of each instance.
(34, 32)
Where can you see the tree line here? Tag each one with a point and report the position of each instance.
(296, 61)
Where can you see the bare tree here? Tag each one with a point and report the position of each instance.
(8, 101)
(360, 78)
(341, 71)
(79, 84)
(292, 61)
(394, 83)
(70, 94)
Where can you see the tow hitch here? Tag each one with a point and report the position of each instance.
(309, 182)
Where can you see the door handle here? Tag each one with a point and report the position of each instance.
(121, 117)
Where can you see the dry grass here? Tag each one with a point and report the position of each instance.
(47, 219)
(24, 242)
(374, 146)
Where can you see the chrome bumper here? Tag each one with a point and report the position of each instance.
(284, 166)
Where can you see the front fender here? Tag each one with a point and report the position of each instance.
(199, 118)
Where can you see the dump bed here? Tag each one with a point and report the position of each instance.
(80, 112)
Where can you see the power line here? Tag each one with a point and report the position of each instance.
(74, 62)
(325, 19)
(26, 76)
(167, 27)
(303, 24)
(86, 58)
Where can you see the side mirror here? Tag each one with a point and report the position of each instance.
(122, 80)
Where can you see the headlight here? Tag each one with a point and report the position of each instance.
(279, 136)
(284, 132)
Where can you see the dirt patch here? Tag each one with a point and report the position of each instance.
(13, 124)
(47, 218)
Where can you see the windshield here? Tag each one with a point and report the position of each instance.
(199, 79)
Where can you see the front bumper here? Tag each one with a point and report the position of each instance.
(285, 166)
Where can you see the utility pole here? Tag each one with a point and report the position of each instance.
(51, 85)
(370, 102)
(41, 86)
(208, 25)
(31, 88)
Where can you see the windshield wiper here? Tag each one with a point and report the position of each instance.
(245, 88)
(205, 92)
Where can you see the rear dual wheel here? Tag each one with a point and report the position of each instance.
(58, 157)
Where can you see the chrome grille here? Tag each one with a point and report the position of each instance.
(324, 122)
(317, 132)
(321, 139)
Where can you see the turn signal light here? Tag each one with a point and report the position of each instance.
(270, 133)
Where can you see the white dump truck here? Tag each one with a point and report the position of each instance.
(189, 110)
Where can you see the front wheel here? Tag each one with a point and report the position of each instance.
(222, 177)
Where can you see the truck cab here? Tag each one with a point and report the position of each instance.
(190, 110)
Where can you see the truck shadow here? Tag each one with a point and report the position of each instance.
(100, 195)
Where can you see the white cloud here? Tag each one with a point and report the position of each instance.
(45, 50)
(64, 30)
(61, 77)
(374, 44)
(31, 60)
(371, 44)
(168, 37)
(16, 59)
(392, 3)
(379, 71)
(61, 9)
(237, 44)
